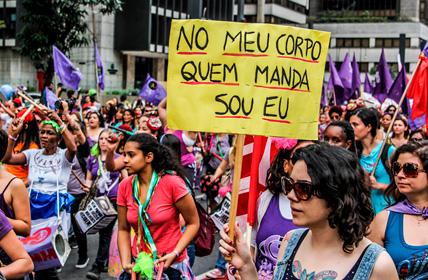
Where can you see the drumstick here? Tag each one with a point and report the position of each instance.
(160, 271)
(134, 276)
(27, 112)
(31, 101)
(77, 177)
(200, 140)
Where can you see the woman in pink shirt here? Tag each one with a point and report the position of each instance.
(151, 201)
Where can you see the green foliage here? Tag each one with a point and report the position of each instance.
(2, 24)
(60, 23)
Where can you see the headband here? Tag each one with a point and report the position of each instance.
(154, 123)
(53, 124)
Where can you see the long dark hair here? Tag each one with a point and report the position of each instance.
(418, 149)
(368, 117)
(347, 192)
(100, 118)
(276, 170)
(162, 156)
(31, 132)
(173, 143)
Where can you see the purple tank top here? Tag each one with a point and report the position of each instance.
(3, 205)
(273, 228)
(187, 158)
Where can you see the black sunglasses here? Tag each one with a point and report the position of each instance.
(410, 170)
(303, 189)
(416, 139)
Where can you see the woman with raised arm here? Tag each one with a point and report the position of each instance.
(335, 221)
(49, 171)
(400, 227)
(151, 202)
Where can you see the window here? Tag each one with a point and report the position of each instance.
(352, 42)
(390, 43)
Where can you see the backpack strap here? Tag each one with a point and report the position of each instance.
(292, 243)
(368, 262)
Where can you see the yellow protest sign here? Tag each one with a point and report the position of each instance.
(256, 79)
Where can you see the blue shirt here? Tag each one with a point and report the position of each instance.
(411, 261)
(378, 201)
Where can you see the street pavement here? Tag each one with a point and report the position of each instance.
(68, 272)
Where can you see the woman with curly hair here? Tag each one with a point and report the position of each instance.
(336, 218)
(399, 227)
(274, 219)
(151, 201)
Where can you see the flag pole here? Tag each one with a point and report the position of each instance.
(394, 117)
(56, 85)
(235, 186)
(255, 162)
(94, 38)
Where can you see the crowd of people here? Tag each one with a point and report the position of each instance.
(344, 206)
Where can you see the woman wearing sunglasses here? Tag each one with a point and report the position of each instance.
(400, 227)
(335, 218)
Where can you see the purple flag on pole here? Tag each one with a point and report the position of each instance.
(51, 98)
(368, 87)
(100, 68)
(335, 84)
(383, 79)
(397, 89)
(356, 80)
(70, 75)
(152, 91)
(345, 72)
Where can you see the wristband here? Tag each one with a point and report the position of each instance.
(13, 138)
(62, 128)
(177, 253)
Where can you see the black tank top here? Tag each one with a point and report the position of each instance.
(3, 205)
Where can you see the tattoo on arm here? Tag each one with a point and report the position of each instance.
(302, 274)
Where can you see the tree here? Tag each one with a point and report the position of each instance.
(2, 24)
(60, 23)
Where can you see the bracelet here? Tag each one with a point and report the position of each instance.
(13, 138)
(62, 128)
(177, 253)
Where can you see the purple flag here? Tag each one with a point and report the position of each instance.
(356, 80)
(383, 79)
(335, 84)
(345, 72)
(425, 49)
(416, 123)
(51, 98)
(100, 68)
(324, 100)
(368, 87)
(70, 75)
(397, 89)
(152, 91)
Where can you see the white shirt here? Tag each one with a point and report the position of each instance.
(45, 171)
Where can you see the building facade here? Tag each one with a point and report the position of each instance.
(366, 27)
(134, 42)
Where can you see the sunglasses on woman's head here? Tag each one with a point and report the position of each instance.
(416, 139)
(303, 189)
(410, 170)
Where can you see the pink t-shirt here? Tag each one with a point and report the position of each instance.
(165, 229)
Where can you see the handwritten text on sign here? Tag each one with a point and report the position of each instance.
(254, 79)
